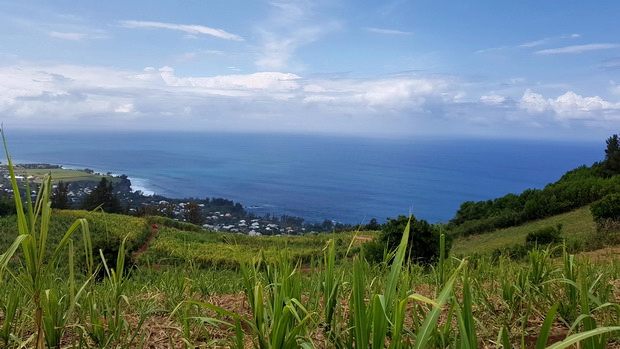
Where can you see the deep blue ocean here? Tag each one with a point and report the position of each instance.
(349, 180)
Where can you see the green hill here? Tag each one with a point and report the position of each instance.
(576, 225)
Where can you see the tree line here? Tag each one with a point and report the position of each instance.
(581, 186)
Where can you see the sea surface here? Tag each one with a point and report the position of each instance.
(345, 179)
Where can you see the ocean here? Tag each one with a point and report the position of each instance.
(346, 179)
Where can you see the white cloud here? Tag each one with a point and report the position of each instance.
(272, 81)
(533, 102)
(492, 99)
(570, 105)
(577, 49)
(544, 41)
(291, 25)
(387, 31)
(530, 44)
(533, 43)
(124, 108)
(187, 28)
(158, 98)
(68, 36)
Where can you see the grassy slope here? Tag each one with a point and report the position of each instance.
(64, 175)
(226, 249)
(106, 228)
(577, 224)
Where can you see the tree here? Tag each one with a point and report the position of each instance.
(103, 195)
(7, 208)
(59, 197)
(192, 214)
(373, 225)
(423, 245)
(606, 208)
(612, 155)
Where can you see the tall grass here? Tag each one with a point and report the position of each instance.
(33, 228)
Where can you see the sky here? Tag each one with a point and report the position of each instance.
(484, 68)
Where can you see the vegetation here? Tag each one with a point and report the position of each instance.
(578, 227)
(60, 174)
(182, 244)
(192, 214)
(606, 208)
(59, 198)
(423, 240)
(545, 236)
(337, 302)
(102, 197)
(194, 288)
(612, 155)
(577, 188)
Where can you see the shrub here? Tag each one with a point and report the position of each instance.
(374, 251)
(423, 246)
(545, 236)
(606, 208)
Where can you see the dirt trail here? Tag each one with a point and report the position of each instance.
(145, 245)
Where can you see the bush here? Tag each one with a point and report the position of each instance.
(423, 244)
(606, 208)
(374, 251)
(545, 236)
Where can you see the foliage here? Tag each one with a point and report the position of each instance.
(373, 224)
(576, 188)
(59, 198)
(612, 155)
(337, 303)
(423, 242)
(7, 208)
(545, 236)
(192, 214)
(102, 196)
(606, 208)
(38, 266)
(577, 227)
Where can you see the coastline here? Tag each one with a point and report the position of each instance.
(137, 183)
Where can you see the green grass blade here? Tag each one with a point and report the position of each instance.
(578, 337)
(46, 214)
(424, 333)
(8, 254)
(543, 336)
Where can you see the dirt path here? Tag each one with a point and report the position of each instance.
(364, 238)
(144, 246)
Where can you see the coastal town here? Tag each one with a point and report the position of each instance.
(215, 214)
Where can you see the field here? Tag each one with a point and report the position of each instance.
(576, 225)
(218, 290)
(64, 175)
(77, 279)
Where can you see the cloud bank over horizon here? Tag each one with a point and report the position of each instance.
(311, 66)
(159, 99)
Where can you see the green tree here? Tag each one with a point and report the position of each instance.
(192, 214)
(103, 195)
(612, 154)
(423, 244)
(373, 225)
(7, 208)
(59, 197)
(606, 208)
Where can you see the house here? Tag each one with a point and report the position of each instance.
(254, 233)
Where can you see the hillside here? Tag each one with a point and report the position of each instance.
(576, 225)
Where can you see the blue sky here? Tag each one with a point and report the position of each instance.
(540, 69)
